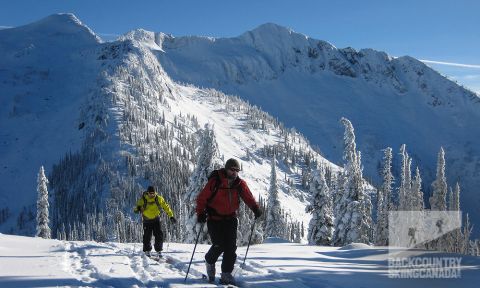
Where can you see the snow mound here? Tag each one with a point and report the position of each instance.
(355, 246)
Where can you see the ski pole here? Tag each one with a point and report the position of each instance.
(141, 223)
(248, 246)
(195, 247)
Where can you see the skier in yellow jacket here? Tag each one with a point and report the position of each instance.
(149, 205)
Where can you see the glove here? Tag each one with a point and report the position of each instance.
(136, 210)
(173, 220)
(202, 218)
(257, 212)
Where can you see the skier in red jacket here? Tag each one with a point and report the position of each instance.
(218, 202)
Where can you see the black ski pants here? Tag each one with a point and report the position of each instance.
(150, 226)
(223, 234)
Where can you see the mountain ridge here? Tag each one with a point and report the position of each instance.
(308, 84)
(130, 127)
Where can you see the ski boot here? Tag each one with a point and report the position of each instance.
(210, 271)
(227, 279)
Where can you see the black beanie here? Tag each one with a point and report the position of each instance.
(150, 189)
(232, 163)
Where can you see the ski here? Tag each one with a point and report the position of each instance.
(156, 257)
(205, 278)
(217, 282)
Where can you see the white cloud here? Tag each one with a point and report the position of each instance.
(451, 64)
(472, 77)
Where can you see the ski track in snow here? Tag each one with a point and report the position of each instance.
(133, 269)
(88, 264)
(254, 270)
(35, 262)
(76, 263)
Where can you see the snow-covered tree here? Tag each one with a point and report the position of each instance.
(450, 199)
(43, 229)
(274, 226)
(246, 220)
(384, 199)
(405, 196)
(336, 190)
(418, 203)
(454, 204)
(454, 238)
(320, 230)
(208, 159)
(467, 232)
(353, 223)
(438, 200)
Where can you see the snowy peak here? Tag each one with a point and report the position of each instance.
(150, 39)
(271, 28)
(66, 26)
(272, 34)
(270, 50)
(274, 40)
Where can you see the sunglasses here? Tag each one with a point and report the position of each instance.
(151, 193)
(234, 170)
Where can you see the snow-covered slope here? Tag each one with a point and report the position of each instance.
(106, 121)
(101, 116)
(47, 69)
(309, 84)
(53, 263)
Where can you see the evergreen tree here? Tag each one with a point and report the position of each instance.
(467, 231)
(384, 199)
(208, 159)
(43, 229)
(246, 220)
(337, 191)
(418, 203)
(353, 224)
(450, 199)
(274, 220)
(320, 230)
(405, 196)
(438, 199)
(455, 206)
(455, 237)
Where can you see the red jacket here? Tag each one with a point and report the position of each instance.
(227, 200)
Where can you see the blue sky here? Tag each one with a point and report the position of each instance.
(437, 30)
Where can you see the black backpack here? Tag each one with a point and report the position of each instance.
(215, 174)
(145, 201)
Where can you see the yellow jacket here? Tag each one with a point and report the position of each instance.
(152, 210)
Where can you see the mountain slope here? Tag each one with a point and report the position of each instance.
(106, 119)
(123, 124)
(47, 69)
(309, 84)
